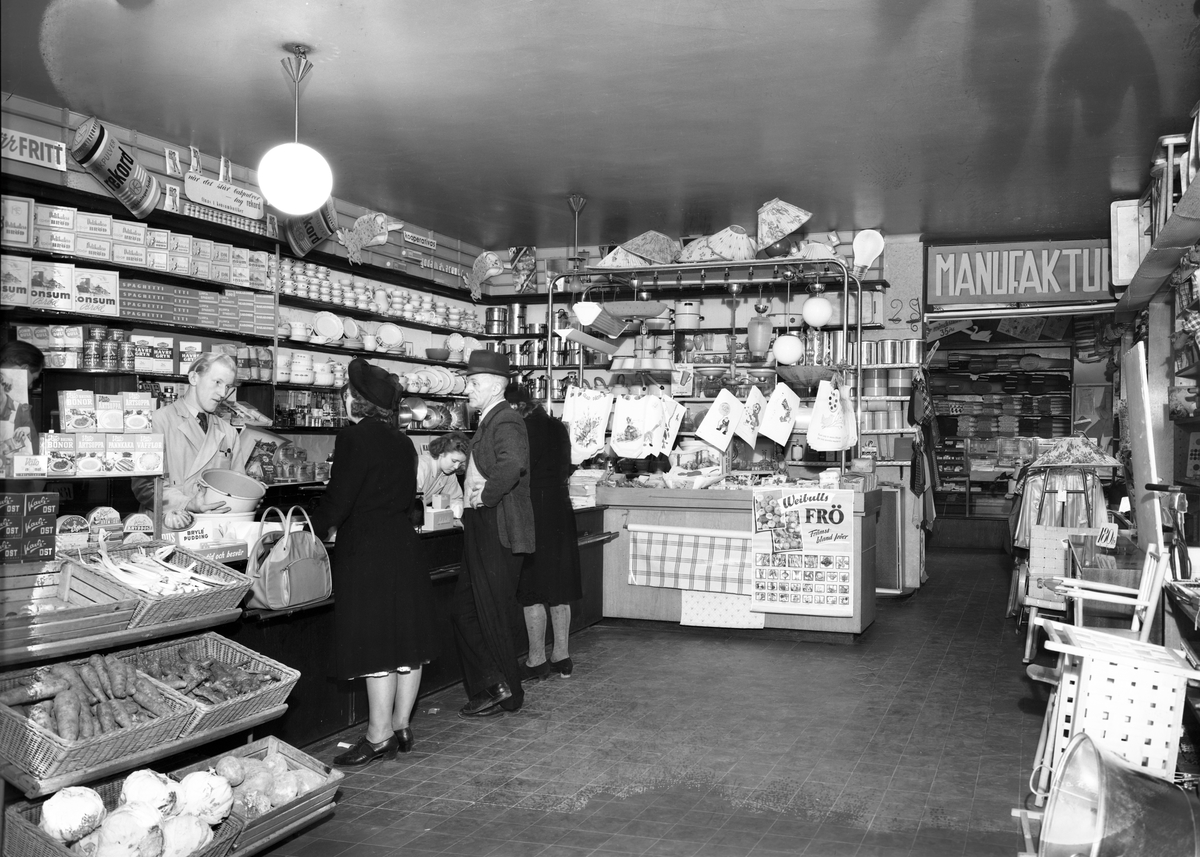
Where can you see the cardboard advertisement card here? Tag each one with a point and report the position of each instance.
(16, 421)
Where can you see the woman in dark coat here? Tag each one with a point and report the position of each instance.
(550, 575)
(384, 608)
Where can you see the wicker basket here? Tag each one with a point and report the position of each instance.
(43, 754)
(804, 376)
(157, 610)
(209, 716)
(272, 825)
(23, 837)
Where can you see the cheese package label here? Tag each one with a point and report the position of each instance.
(54, 217)
(59, 450)
(10, 526)
(89, 453)
(239, 275)
(54, 241)
(118, 453)
(12, 503)
(77, 410)
(51, 286)
(129, 232)
(15, 288)
(94, 224)
(37, 525)
(97, 292)
(18, 221)
(41, 503)
(71, 531)
(110, 412)
(139, 411)
(148, 454)
(90, 247)
(37, 548)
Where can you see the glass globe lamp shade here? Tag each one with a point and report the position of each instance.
(817, 311)
(758, 335)
(788, 349)
(295, 178)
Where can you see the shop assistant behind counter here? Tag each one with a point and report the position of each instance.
(195, 438)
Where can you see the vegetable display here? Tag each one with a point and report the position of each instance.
(260, 785)
(209, 680)
(150, 572)
(80, 702)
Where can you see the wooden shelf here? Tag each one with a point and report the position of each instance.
(48, 316)
(35, 788)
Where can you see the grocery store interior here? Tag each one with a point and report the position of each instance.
(875, 330)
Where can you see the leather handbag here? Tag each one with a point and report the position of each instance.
(288, 568)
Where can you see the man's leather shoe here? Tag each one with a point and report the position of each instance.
(490, 698)
(364, 751)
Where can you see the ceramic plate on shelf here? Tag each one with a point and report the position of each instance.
(350, 328)
(390, 336)
(328, 325)
(455, 342)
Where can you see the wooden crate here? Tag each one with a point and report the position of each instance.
(23, 837)
(259, 831)
(77, 603)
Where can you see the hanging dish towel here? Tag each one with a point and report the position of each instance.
(780, 414)
(629, 426)
(752, 414)
(586, 414)
(721, 421)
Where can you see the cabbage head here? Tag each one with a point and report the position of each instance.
(184, 835)
(132, 830)
(150, 787)
(205, 795)
(72, 813)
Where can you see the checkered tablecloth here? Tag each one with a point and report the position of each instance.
(688, 561)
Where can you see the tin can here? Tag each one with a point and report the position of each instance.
(867, 349)
(116, 167)
(912, 351)
(97, 332)
(888, 351)
(110, 354)
(91, 354)
(125, 355)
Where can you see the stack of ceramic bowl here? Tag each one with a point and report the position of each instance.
(283, 368)
(339, 373)
(302, 368)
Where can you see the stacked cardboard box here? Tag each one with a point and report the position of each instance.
(27, 526)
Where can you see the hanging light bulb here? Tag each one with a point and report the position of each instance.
(816, 310)
(868, 244)
(293, 177)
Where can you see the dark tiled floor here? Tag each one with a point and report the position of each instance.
(915, 741)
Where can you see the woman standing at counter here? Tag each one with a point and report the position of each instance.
(195, 439)
(383, 612)
(550, 575)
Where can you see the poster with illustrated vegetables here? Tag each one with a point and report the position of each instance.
(803, 551)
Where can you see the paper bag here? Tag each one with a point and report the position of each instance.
(721, 421)
(756, 405)
(780, 414)
(834, 426)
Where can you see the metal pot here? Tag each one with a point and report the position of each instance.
(539, 385)
(497, 326)
(687, 315)
(516, 319)
(497, 313)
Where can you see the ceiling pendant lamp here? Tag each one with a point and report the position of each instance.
(293, 177)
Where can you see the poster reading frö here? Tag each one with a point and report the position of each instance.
(803, 539)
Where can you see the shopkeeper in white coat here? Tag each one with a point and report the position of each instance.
(195, 440)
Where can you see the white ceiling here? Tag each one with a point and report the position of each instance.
(955, 119)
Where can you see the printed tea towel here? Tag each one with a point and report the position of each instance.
(586, 414)
(780, 414)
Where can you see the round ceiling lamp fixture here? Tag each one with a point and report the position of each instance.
(293, 177)
(816, 310)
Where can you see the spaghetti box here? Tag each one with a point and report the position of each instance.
(87, 223)
(37, 548)
(110, 413)
(158, 260)
(51, 285)
(54, 217)
(147, 454)
(12, 503)
(10, 550)
(158, 239)
(27, 466)
(77, 410)
(118, 453)
(37, 525)
(18, 221)
(139, 410)
(97, 292)
(178, 263)
(89, 453)
(91, 247)
(11, 526)
(15, 288)
(59, 450)
(41, 503)
(132, 255)
(180, 243)
(222, 254)
(202, 248)
(129, 232)
(54, 240)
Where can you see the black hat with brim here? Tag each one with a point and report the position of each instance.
(485, 362)
(373, 384)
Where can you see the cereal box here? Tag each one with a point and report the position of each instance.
(189, 352)
(110, 412)
(90, 247)
(51, 286)
(59, 450)
(97, 292)
(18, 221)
(14, 291)
(118, 453)
(77, 410)
(54, 241)
(93, 224)
(143, 352)
(41, 503)
(129, 232)
(133, 255)
(139, 411)
(164, 355)
(54, 217)
(148, 454)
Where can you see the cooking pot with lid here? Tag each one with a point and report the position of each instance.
(687, 315)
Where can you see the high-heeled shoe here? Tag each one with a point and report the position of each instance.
(404, 739)
(364, 751)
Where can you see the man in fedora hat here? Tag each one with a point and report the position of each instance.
(497, 529)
